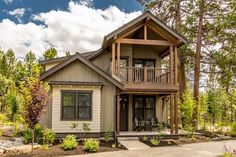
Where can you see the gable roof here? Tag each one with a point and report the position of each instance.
(140, 18)
(108, 38)
(60, 59)
(75, 57)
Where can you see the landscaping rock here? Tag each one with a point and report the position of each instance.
(16, 146)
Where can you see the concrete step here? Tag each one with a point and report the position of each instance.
(133, 144)
(127, 138)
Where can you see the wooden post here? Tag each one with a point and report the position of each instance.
(176, 114)
(171, 113)
(113, 62)
(171, 64)
(176, 62)
(145, 75)
(145, 32)
(118, 59)
(118, 113)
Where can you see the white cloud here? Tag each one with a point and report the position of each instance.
(88, 3)
(8, 1)
(18, 13)
(81, 28)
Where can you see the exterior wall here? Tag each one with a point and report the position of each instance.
(105, 99)
(147, 52)
(137, 51)
(46, 118)
(103, 61)
(50, 65)
(108, 107)
(61, 126)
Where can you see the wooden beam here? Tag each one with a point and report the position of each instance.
(145, 32)
(144, 42)
(131, 31)
(164, 53)
(113, 58)
(160, 33)
(176, 113)
(176, 62)
(171, 114)
(171, 64)
(118, 59)
(118, 113)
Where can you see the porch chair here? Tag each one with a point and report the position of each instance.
(154, 123)
(138, 125)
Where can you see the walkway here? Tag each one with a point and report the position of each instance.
(132, 143)
(208, 149)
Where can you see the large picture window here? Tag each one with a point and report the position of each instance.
(76, 105)
(144, 107)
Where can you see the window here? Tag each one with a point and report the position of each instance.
(76, 105)
(144, 107)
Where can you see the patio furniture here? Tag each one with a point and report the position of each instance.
(138, 125)
(154, 123)
(145, 124)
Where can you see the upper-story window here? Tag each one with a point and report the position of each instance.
(76, 105)
(140, 63)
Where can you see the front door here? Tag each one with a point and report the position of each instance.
(124, 112)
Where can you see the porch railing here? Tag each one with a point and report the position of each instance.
(145, 75)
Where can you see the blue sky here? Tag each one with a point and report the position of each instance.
(38, 6)
(75, 26)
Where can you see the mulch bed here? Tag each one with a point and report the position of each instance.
(56, 150)
(161, 144)
(195, 139)
(181, 140)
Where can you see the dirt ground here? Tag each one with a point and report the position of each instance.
(56, 150)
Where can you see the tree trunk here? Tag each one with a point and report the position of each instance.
(197, 63)
(32, 144)
(181, 58)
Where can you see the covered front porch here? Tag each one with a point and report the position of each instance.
(141, 108)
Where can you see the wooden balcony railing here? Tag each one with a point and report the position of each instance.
(145, 75)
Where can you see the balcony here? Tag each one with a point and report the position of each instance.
(148, 78)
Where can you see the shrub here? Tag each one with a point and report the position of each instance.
(108, 135)
(233, 128)
(3, 118)
(113, 146)
(91, 145)
(155, 141)
(48, 136)
(145, 138)
(1, 132)
(228, 155)
(69, 142)
(85, 128)
(27, 135)
(45, 146)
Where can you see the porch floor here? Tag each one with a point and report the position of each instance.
(166, 133)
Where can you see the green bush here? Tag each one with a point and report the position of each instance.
(91, 145)
(1, 132)
(38, 133)
(3, 118)
(228, 155)
(69, 142)
(108, 136)
(48, 136)
(155, 141)
(27, 136)
(233, 128)
(145, 138)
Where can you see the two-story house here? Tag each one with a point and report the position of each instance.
(122, 81)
